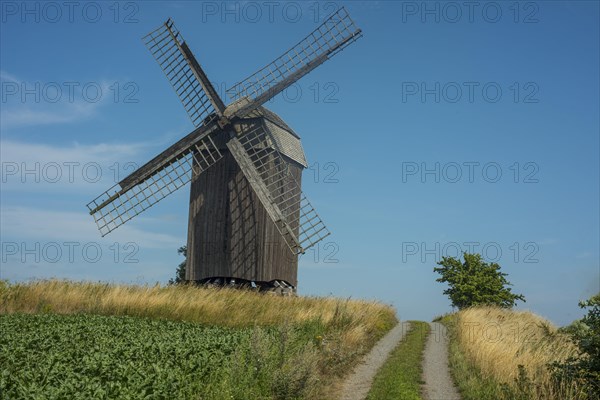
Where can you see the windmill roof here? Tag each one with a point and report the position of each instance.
(287, 141)
(274, 118)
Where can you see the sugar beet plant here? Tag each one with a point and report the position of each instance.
(97, 357)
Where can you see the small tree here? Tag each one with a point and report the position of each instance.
(475, 282)
(180, 272)
(585, 368)
(589, 345)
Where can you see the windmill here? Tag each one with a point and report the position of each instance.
(248, 218)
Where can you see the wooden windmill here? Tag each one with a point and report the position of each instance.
(248, 217)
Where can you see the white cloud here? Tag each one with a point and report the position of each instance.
(584, 254)
(43, 153)
(32, 115)
(547, 242)
(33, 225)
(28, 103)
(75, 168)
(5, 76)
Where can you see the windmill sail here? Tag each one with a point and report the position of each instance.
(185, 74)
(156, 179)
(259, 144)
(262, 164)
(337, 32)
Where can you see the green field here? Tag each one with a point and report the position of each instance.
(86, 340)
(93, 357)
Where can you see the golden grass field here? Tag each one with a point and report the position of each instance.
(496, 341)
(214, 306)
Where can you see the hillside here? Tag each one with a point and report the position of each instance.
(505, 354)
(67, 339)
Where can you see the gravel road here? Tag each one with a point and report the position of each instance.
(358, 384)
(438, 382)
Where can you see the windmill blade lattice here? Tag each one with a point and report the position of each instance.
(259, 159)
(337, 32)
(131, 196)
(189, 81)
(253, 140)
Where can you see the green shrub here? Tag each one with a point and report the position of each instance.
(585, 368)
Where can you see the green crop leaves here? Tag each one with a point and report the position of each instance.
(97, 357)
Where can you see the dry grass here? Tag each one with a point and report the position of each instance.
(213, 306)
(497, 341)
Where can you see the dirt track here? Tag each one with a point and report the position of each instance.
(358, 384)
(438, 382)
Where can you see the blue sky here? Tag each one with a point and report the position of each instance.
(447, 127)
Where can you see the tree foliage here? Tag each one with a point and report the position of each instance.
(589, 344)
(475, 282)
(180, 272)
(586, 367)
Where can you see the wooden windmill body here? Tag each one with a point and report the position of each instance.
(248, 217)
(230, 234)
